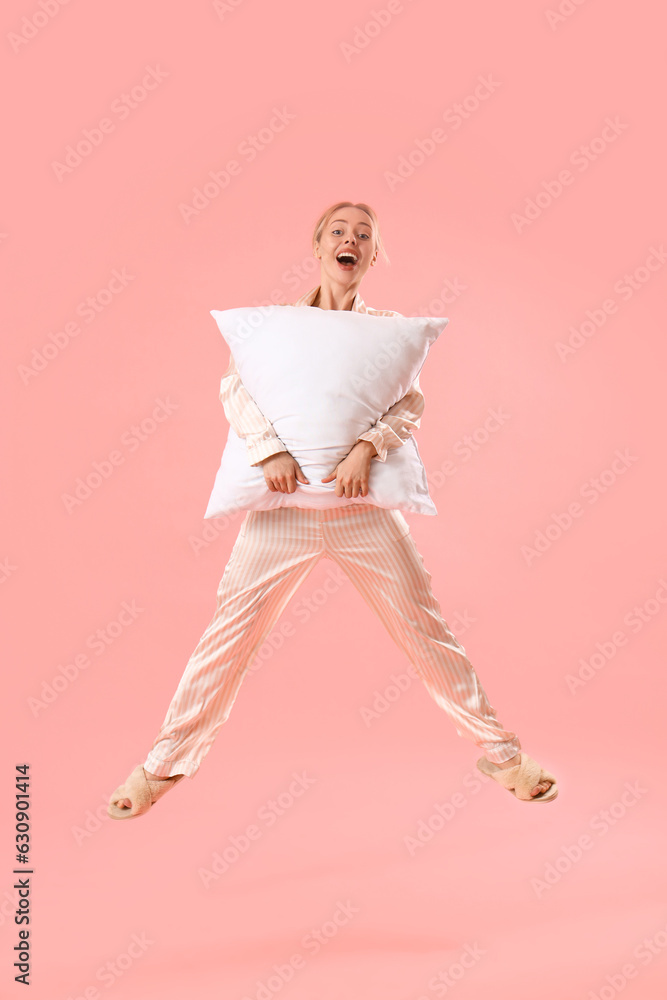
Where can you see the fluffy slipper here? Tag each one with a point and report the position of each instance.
(142, 793)
(521, 778)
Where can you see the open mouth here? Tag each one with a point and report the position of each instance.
(346, 260)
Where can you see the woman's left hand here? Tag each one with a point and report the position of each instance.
(352, 474)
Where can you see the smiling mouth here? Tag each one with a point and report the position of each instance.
(347, 260)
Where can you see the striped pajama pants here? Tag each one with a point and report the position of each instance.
(273, 554)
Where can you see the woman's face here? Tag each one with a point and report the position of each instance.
(347, 235)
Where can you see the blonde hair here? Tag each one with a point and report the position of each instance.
(321, 222)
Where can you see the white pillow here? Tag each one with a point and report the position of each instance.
(322, 377)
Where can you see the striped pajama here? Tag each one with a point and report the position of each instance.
(273, 554)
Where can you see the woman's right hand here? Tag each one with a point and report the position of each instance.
(281, 472)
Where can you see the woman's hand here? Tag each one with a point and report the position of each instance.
(352, 474)
(281, 472)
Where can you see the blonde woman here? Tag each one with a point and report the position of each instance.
(276, 549)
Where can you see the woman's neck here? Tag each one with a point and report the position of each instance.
(331, 298)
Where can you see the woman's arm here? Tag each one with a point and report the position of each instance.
(246, 418)
(395, 426)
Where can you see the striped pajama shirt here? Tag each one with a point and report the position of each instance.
(274, 552)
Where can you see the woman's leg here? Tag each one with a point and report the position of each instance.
(274, 552)
(378, 553)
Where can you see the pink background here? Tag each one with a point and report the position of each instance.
(394, 924)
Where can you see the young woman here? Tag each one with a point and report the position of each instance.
(276, 549)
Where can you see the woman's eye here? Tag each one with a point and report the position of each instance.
(334, 232)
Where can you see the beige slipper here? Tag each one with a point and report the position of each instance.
(142, 793)
(521, 778)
